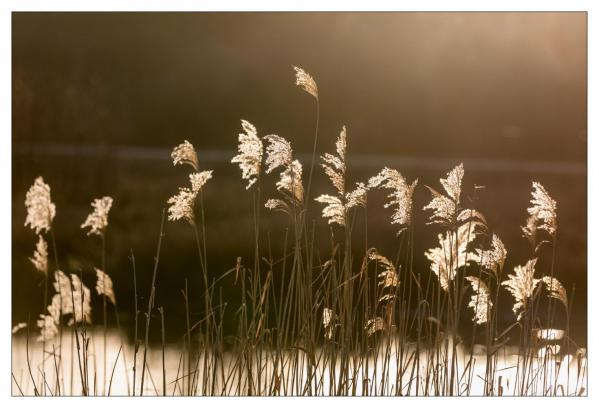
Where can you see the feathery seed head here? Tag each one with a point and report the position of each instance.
(522, 285)
(334, 166)
(357, 197)
(104, 285)
(198, 180)
(182, 205)
(492, 259)
(445, 207)
(40, 256)
(544, 208)
(452, 253)
(480, 301)
(185, 153)
(334, 210)
(97, 221)
(400, 196)
(278, 152)
(250, 153)
(305, 81)
(291, 182)
(82, 302)
(62, 300)
(40, 208)
(274, 204)
(48, 328)
(453, 183)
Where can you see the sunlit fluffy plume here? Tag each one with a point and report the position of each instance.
(290, 182)
(280, 154)
(185, 153)
(357, 197)
(182, 204)
(544, 208)
(40, 208)
(62, 298)
(97, 221)
(400, 196)
(250, 153)
(305, 81)
(40, 256)
(334, 210)
(48, 328)
(104, 285)
(82, 302)
(445, 207)
(334, 166)
(480, 301)
(522, 285)
(492, 259)
(452, 252)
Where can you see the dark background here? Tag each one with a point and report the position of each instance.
(99, 100)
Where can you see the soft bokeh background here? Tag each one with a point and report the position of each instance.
(99, 99)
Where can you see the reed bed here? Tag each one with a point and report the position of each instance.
(311, 323)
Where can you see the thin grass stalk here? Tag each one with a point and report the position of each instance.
(136, 315)
(151, 301)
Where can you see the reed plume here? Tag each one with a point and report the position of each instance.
(40, 208)
(185, 153)
(62, 286)
(357, 197)
(250, 153)
(400, 196)
(305, 81)
(182, 203)
(522, 286)
(81, 300)
(334, 210)
(445, 207)
(452, 252)
(48, 328)
(104, 286)
(40, 256)
(480, 302)
(290, 182)
(280, 154)
(491, 259)
(334, 166)
(544, 208)
(97, 221)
